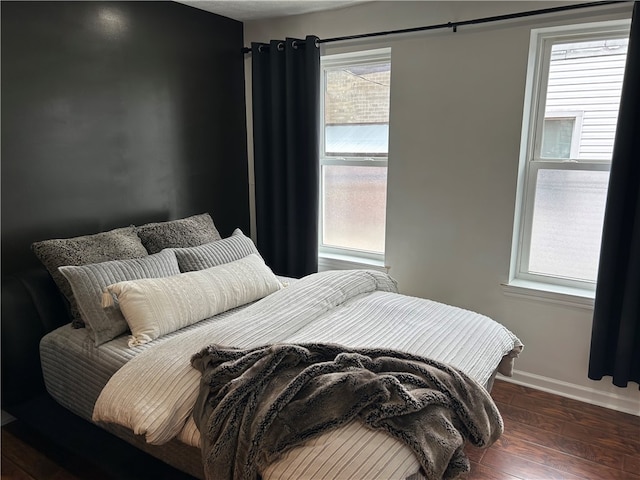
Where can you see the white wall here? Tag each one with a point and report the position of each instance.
(455, 126)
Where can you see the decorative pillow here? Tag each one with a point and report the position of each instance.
(117, 244)
(155, 307)
(216, 253)
(89, 281)
(186, 232)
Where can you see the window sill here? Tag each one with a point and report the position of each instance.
(332, 261)
(545, 292)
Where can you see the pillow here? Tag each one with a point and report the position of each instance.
(89, 281)
(155, 307)
(186, 232)
(216, 253)
(117, 244)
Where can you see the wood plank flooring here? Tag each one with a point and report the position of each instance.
(546, 437)
(28, 456)
(552, 437)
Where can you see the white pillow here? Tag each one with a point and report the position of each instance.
(154, 307)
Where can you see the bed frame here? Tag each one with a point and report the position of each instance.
(32, 306)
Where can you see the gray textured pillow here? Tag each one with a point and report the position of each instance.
(121, 243)
(212, 254)
(185, 232)
(89, 282)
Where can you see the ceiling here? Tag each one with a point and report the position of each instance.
(244, 10)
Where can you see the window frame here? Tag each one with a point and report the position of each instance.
(531, 161)
(336, 62)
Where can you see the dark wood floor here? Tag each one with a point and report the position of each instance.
(552, 437)
(546, 437)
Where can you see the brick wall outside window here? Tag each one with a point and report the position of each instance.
(357, 98)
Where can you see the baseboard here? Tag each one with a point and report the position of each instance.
(576, 392)
(6, 418)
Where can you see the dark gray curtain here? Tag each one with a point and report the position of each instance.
(286, 106)
(615, 336)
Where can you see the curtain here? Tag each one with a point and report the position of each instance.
(615, 335)
(286, 125)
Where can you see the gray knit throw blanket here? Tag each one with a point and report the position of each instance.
(256, 403)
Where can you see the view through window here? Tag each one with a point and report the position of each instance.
(354, 152)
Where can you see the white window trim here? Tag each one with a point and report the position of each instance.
(522, 283)
(338, 257)
(573, 297)
(333, 261)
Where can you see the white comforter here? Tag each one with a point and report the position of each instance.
(154, 393)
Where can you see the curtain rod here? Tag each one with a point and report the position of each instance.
(454, 25)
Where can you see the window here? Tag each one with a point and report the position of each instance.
(353, 153)
(572, 99)
(561, 133)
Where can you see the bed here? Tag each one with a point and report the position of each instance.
(135, 376)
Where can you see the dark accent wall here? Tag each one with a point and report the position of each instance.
(116, 113)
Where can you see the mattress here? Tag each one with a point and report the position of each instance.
(76, 371)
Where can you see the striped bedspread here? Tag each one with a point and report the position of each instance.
(154, 393)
